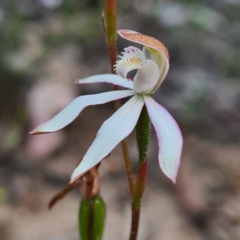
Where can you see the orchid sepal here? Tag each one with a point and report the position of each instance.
(107, 78)
(73, 109)
(170, 141)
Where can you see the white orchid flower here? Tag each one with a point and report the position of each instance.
(152, 64)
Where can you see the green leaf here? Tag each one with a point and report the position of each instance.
(143, 131)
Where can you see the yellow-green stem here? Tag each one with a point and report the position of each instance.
(111, 34)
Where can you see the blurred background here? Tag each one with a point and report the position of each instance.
(46, 45)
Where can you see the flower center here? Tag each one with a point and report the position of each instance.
(148, 72)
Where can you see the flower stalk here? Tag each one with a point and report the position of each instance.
(110, 22)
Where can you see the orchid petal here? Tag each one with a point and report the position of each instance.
(146, 77)
(131, 59)
(159, 52)
(163, 65)
(169, 138)
(113, 130)
(73, 109)
(107, 78)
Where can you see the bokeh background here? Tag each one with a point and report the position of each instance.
(47, 44)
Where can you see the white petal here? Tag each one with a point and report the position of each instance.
(113, 130)
(163, 65)
(146, 77)
(107, 78)
(73, 109)
(131, 59)
(169, 136)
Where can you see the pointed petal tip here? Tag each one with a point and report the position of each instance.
(172, 178)
(35, 132)
(73, 179)
(40, 130)
(32, 132)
